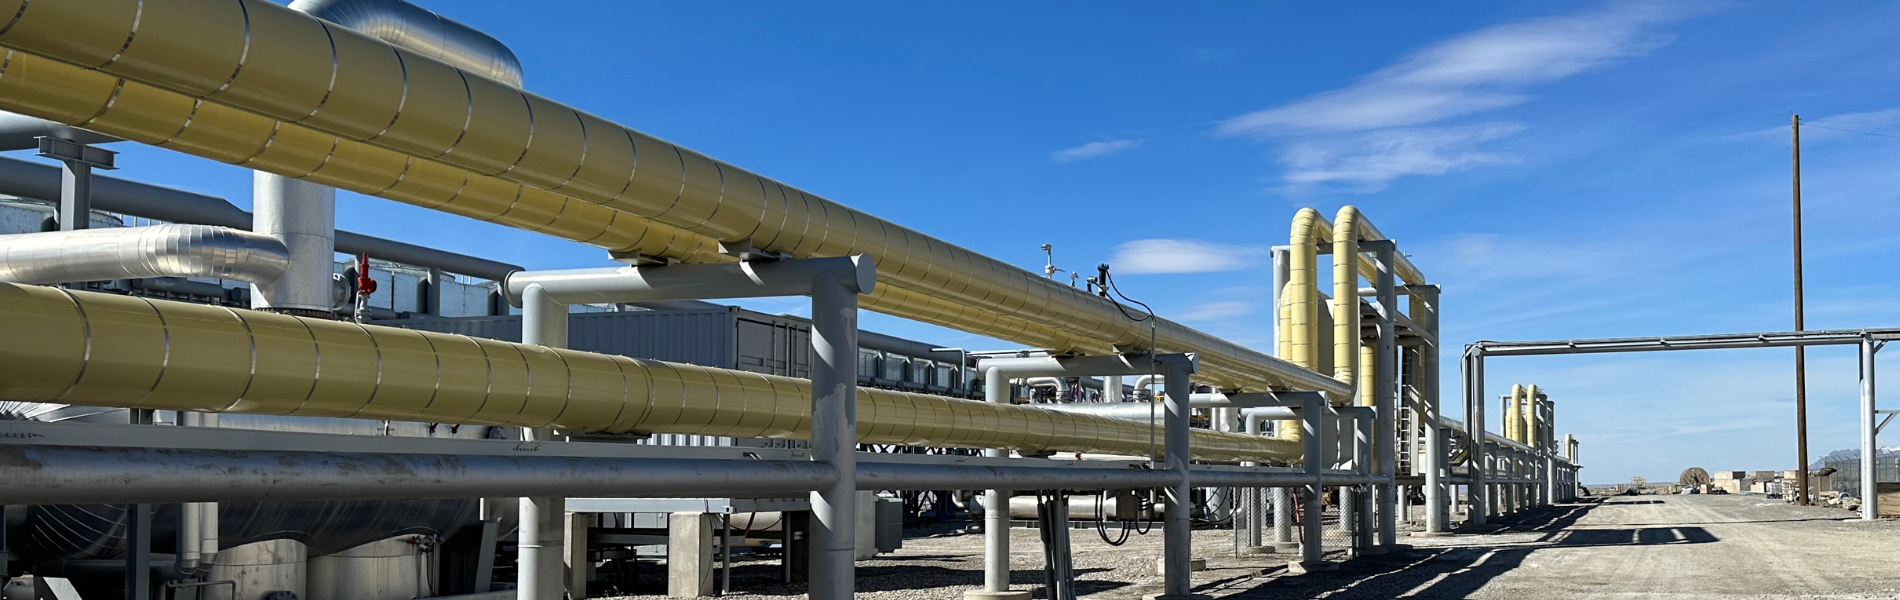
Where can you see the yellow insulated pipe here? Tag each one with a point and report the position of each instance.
(60, 92)
(264, 58)
(109, 350)
(1514, 413)
(1529, 430)
(1345, 304)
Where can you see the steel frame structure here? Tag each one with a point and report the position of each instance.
(1868, 342)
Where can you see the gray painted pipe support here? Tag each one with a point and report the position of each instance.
(746, 279)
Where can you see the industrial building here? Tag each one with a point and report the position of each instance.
(200, 402)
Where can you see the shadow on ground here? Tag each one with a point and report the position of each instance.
(1458, 572)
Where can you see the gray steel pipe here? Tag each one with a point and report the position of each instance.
(140, 253)
(995, 500)
(30, 179)
(541, 534)
(909, 476)
(37, 474)
(1140, 411)
(745, 279)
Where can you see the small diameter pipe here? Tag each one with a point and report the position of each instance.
(996, 501)
(541, 536)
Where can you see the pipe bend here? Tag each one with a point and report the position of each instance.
(171, 250)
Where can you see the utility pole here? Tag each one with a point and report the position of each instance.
(1800, 352)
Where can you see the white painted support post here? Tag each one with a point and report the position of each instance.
(996, 566)
(1386, 396)
(1312, 554)
(1869, 449)
(540, 536)
(1178, 533)
(1478, 492)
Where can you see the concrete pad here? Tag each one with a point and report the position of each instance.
(1009, 595)
(1258, 550)
(1195, 565)
(1304, 567)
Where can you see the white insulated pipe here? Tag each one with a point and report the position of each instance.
(141, 253)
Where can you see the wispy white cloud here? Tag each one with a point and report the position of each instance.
(1184, 256)
(1094, 150)
(1368, 160)
(1392, 122)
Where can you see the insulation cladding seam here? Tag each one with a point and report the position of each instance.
(191, 47)
(109, 350)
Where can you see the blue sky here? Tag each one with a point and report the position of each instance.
(1562, 169)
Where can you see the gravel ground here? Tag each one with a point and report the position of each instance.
(1621, 547)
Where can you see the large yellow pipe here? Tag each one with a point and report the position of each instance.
(57, 91)
(262, 57)
(1513, 411)
(109, 350)
(1345, 304)
(1531, 431)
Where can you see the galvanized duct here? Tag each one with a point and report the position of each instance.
(421, 30)
(36, 180)
(139, 253)
(268, 59)
(101, 349)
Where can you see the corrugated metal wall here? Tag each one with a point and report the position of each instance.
(700, 337)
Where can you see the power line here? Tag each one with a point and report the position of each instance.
(1897, 137)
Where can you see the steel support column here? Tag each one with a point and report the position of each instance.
(834, 431)
(1477, 493)
(138, 552)
(1311, 414)
(1178, 533)
(1386, 394)
(76, 161)
(1869, 432)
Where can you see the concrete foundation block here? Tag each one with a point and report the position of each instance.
(1195, 565)
(1258, 550)
(689, 554)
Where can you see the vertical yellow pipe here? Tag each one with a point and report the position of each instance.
(1528, 431)
(1513, 412)
(1367, 396)
(1299, 307)
(1346, 294)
